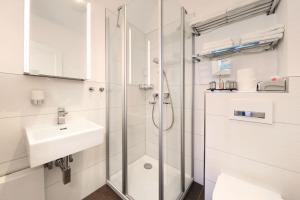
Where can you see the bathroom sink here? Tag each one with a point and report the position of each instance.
(47, 143)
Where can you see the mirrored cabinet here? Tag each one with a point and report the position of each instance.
(57, 38)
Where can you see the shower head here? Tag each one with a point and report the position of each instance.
(119, 10)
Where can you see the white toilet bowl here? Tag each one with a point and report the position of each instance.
(230, 188)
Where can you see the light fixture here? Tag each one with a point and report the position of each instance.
(149, 61)
(88, 42)
(80, 1)
(129, 57)
(26, 35)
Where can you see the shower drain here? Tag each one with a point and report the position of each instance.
(148, 166)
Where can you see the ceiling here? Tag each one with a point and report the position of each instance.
(69, 13)
(199, 7)
(145, 16)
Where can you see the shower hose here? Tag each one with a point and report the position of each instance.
(171, 104)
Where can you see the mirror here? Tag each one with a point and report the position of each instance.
(57, 38)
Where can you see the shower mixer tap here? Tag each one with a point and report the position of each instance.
(166, 96)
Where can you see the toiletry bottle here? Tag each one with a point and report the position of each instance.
(221, 84)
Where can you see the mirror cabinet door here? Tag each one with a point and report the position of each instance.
(57, 38)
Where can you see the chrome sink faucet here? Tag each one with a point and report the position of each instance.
(61, 113)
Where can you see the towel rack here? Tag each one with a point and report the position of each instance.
(256, 8)
(254, 47)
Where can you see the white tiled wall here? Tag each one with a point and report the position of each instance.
(136, 119)
(288, 14)
(267, 155)
(16, 111)
(136, 128)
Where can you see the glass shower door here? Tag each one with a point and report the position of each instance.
(148, 100)
(142, 135)
(114, 73)
(178, 83)
(188, 103)
(173, 118)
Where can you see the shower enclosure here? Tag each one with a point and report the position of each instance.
(149, 75)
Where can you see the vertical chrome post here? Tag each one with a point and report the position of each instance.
(124, 107)
(107, 85)
(204, 160)
(193, 106)
(161, 87)
(183, 13)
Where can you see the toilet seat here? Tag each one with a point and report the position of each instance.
(230, 188)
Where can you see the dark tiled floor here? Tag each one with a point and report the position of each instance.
(195, 192)
(105, 193)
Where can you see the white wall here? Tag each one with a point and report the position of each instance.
(88, 169)
(288, 14)
(266, 155)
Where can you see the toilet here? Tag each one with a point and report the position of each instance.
(231, 188)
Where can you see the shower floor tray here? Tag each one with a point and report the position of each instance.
(143, 183)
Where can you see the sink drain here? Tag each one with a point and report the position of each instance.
(148, 166)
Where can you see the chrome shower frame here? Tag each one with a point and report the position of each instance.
(124, 192)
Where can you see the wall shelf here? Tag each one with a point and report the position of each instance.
(229, 16)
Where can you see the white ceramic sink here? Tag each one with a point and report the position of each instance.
(47, 143)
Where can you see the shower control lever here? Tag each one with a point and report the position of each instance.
(152, 102)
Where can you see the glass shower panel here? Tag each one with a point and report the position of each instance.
(188, 87)
(142, 135)
(172, 115)
(114, 28)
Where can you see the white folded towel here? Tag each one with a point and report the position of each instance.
(268, 35)
(270, 31)
(209, 51)
(210, 45)
(213, 46)
(271, 34)
(263, 39)
(273, 28)
(263, 34)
